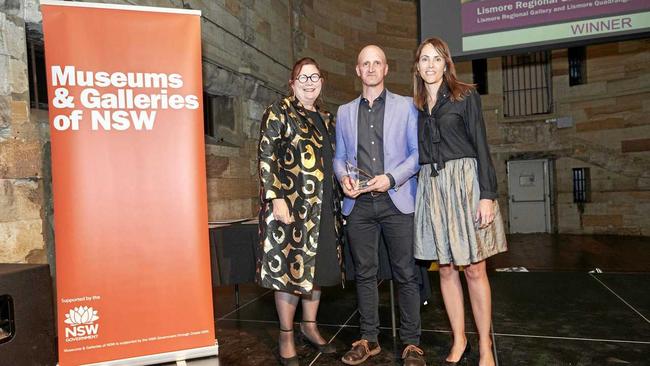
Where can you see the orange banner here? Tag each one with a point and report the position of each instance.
(128, 171)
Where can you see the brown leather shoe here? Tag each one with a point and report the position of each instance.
(360, 352)
(413, 356)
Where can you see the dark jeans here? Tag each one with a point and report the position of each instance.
(371, 217)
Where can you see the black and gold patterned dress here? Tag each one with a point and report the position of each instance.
(295, 163)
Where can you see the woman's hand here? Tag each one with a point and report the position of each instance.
(485, 213)
(281, 211)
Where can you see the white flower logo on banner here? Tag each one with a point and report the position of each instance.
(81, 315)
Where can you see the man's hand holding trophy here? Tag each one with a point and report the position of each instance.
(356, 182)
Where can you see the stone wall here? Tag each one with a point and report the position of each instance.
(334, 32)
(611, 136)
(247, 56)
(24, 167)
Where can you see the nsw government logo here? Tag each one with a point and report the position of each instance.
(81, 324)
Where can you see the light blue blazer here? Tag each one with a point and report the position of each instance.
(400, 148)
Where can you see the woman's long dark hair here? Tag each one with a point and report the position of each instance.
(458, 89)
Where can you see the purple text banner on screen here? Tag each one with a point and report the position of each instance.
(492, 15)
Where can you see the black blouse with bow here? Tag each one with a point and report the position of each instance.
(455, 130)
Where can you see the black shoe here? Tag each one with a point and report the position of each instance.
(462, 358)
(322, 348)
(413, 356)
(288, 361)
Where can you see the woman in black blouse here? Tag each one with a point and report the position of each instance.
(457, 218)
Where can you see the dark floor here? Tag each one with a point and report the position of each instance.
(548, 252)
(557, 314)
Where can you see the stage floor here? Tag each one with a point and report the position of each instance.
(557, 314)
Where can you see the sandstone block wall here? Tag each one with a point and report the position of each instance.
(23, 165)
(334, 32)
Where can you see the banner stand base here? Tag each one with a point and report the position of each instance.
(175, 356)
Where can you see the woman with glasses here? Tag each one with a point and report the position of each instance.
(457, 218)
(300, 220)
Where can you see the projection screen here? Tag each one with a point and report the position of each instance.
(482, 28)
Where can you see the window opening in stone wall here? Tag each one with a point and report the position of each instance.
(219, 119)
(479, 74)
(7, 326)
(577, 65)
(527, 88)
(36, 73)
(581, 185)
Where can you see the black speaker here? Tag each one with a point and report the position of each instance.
(26, 315)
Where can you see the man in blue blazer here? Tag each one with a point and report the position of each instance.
(377, 133)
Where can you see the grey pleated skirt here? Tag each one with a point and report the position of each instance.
(445, 208)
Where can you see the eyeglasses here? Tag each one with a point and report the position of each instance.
(313, 77)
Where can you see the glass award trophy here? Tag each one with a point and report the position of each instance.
(359, 177)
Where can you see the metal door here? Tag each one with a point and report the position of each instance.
(529, 196)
